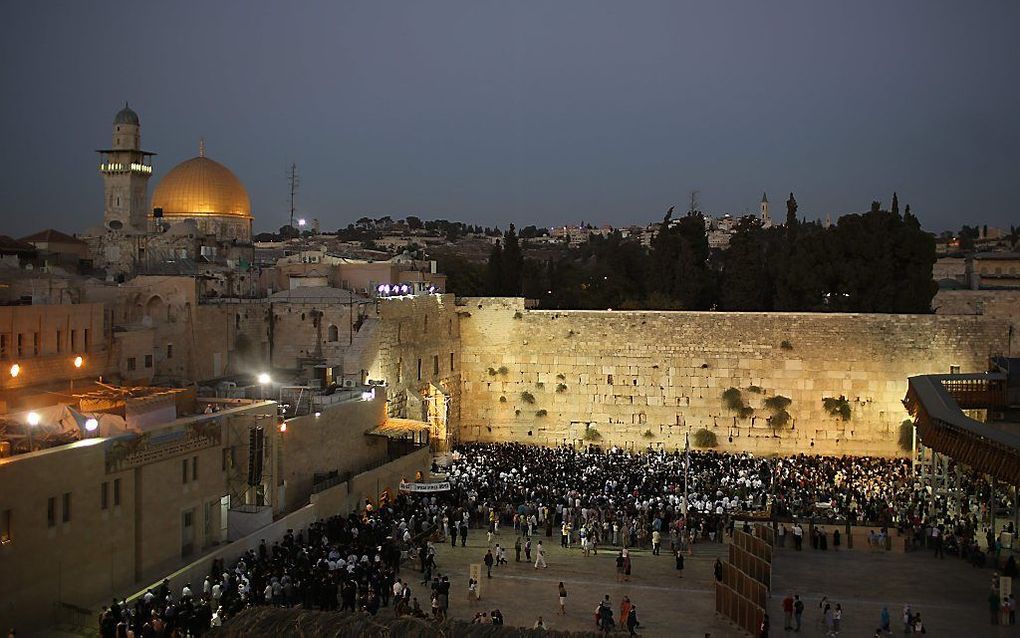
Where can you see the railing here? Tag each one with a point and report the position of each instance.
(68, 615)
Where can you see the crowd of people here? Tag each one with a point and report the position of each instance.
(589, 498)
(342, 563)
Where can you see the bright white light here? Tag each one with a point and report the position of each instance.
(15, 370)
(405, 289)
(318, 414)
(79, 361)
(301, 222)
(368, 396)
(91, 425)
(33, 418)
(283, 427)
(264, 378)
(381, 288)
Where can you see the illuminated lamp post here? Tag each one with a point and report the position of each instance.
(78, 362)
(33, 420)
(91, 425)
(264, 380)
(15, 370)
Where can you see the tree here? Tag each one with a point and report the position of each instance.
(512, 264)
(414, 223)
(680, 261)
(744, 281)
(895, 204)
(791, 212)
(494, 270)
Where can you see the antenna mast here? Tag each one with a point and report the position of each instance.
(292, 179)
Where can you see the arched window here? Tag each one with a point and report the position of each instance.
(334, 334)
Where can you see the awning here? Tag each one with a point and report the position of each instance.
(394, 428)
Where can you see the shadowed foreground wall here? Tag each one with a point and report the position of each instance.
(646, 378)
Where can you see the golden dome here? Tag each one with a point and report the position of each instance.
(201, 187)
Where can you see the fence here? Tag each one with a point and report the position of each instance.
(743, 592)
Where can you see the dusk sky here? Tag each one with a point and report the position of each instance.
(532, 112)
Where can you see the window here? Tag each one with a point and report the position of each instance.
(426, 323)
(116, 492)
(74, 339)
(334, 334)
(194, 468)
(51, 511)
(59, 348)
(451, 362)
(67, 507)
(169, 351)
(85, 339)
(104, 496)
(184, 471)
(435, 365)
(21, 347)
(609, 379)
(35, 343)
(5, 346)
(148, 361)
(5, 526)
(419, 369)
(131, 363)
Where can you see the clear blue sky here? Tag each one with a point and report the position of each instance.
(536, 112)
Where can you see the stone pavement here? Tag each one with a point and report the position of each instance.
(667, 604)
(950, 594)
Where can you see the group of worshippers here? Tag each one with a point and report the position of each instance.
(590, 496)
(341, 563)
(885, 493)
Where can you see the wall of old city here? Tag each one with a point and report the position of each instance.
(414, 345)
(334, 440)
(647, 378)
(1002, 304)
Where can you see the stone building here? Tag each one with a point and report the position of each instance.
(200, 209)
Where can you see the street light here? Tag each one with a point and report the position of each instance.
(15, 370)
(33, 420)
(91, 425)
(301, 222)
(264, 379)
(78, 362)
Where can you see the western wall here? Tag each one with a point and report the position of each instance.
(640, 378)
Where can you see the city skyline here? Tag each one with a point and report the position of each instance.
(530, 114)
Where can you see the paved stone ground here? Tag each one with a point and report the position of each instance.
(950, 594)
(668, 604)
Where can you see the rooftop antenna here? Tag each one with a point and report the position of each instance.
(292, 179)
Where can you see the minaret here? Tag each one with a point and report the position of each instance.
(765, 221)
(126, 169)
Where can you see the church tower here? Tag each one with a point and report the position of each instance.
(765, 221)
(126, 169)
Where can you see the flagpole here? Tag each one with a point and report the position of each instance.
(687, 466)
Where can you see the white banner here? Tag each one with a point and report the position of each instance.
(440, 486)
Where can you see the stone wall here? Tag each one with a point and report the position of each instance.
(647, 378)
(994, 303)
(333, 441)
(414, 343)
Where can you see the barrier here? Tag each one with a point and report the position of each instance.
(743, 592)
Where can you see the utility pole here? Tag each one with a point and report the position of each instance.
(294, 182)
(694, 203)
